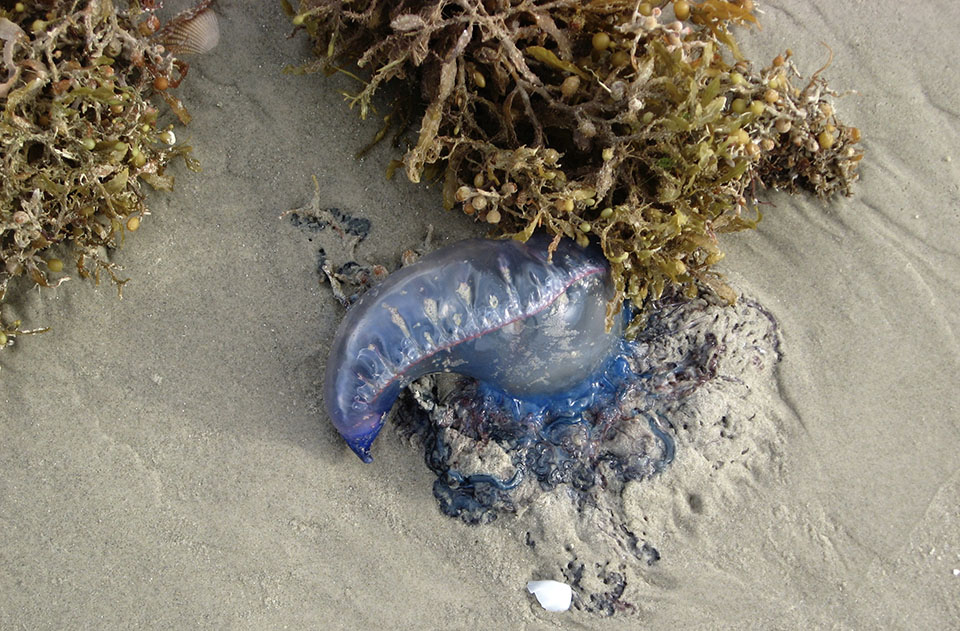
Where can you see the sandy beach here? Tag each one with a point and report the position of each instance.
(166, 461)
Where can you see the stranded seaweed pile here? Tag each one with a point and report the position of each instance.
(79, 135)
(637, 124)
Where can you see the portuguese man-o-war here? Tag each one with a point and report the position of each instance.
(543, 382)
(494, 359)
(527, 324)
(543, 397)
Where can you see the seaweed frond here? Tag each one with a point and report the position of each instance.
(640, 126)
(79, 136)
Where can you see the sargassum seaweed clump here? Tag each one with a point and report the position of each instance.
(641, 126)
(79, 134)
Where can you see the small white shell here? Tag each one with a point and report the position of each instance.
(552, 595)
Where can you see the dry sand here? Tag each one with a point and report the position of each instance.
(165, 461)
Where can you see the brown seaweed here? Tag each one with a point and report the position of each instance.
(638, 125)
(80, 136)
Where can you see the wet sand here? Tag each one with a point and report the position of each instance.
(165, 460)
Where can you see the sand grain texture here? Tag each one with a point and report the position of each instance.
(165, 461)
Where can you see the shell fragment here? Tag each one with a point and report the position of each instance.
(552, 595)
